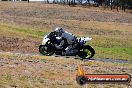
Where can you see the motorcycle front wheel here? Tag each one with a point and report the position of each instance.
(86, 52)
(45, 50)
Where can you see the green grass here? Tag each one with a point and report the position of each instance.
(113, 47)
(114, 53)
(23, 78)
(11, 30)
(29, 31)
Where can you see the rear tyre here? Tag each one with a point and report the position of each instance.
(86, 52)
(45, 50)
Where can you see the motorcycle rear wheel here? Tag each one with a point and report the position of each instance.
(45, 50)
(86, 52)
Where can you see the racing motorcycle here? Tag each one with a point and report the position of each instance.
(48, 47)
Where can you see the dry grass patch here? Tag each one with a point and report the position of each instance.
(39, 71)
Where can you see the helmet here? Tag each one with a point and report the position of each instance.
(58, 31)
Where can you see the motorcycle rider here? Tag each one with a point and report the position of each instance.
(70, 49)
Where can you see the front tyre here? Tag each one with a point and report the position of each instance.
(45, 50)
(86, 52)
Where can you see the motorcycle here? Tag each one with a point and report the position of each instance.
(48, 47)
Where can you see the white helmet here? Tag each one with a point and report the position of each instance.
(58, 31)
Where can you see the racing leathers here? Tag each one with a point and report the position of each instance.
(71, 41)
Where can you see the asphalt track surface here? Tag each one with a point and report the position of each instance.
(69, 57)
